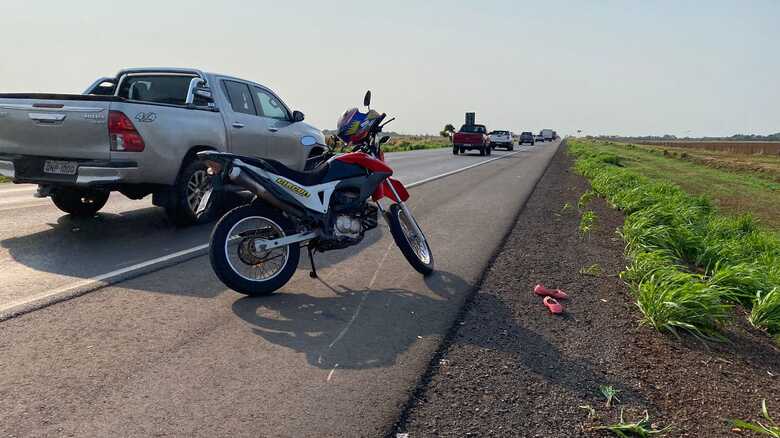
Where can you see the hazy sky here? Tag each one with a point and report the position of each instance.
(626, 67)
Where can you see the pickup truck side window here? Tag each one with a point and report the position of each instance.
(240, 97)
(269, 105)
(169, 89)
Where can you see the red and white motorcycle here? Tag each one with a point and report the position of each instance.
(255, 248)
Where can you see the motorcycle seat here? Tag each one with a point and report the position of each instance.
(306, 178)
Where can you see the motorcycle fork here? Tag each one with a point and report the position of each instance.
(417, 231)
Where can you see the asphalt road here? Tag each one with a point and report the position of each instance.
(173, 353)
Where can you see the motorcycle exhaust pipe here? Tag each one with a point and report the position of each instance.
(244, 180)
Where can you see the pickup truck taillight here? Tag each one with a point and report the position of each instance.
(122, 133)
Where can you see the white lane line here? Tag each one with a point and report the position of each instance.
(453, 172)
(17, 189)
(102, 277)
(190, 251)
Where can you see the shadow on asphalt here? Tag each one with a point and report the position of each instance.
(353, 329)
(86, 247)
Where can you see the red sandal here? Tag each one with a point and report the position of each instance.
(554, 306)
(542, 291)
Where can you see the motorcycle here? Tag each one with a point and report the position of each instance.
(255, 249)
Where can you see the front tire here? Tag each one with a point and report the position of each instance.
(236, 262)
(416, 251)
(81, 203)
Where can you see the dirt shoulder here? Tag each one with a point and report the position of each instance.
(512, 369)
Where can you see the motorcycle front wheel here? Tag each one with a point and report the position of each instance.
(239, 264)
(415, 248)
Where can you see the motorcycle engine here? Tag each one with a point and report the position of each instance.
(348, 226)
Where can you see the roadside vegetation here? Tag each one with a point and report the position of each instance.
(413, 143)
(733, 191)
(758, 160)
(4, 179)
(692, 257)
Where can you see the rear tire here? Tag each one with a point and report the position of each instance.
(190, 186)
(81, 203)
(422, 263)
(220, 252)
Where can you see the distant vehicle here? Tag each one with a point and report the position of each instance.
(471, 137)
(547, 134)
(138, 133)
(526, 137)
(503, 139)
(538, 138)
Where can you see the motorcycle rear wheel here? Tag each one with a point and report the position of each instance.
(236, 262)
(416, 251)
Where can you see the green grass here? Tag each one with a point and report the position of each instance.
(641, 428)
(594, 270)
(4, 179)
(689, 262)
(610, 393)
(587, 222)
(769, 427)
(585, 199)
(766, 311)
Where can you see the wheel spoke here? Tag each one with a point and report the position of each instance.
(249, 263)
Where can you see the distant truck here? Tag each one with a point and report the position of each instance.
(547, 134)
(471, 137)
(138, 133)
(502, 139)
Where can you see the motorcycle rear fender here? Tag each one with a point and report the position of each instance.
(383, 191)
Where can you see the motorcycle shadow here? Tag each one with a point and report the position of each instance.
(354, 329)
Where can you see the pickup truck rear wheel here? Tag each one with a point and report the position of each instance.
(191, 185)
(82, 203)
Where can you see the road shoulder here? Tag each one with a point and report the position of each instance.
(509, 368)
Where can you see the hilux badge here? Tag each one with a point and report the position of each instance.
(146, 117)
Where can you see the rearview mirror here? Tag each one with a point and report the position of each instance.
(384, 139)
(297, 116)
(367, 98)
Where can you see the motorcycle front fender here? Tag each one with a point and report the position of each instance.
(383, 190)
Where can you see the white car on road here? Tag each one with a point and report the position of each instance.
(503, 139)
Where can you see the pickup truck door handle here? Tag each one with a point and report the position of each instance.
(238, 125)
(273, 129)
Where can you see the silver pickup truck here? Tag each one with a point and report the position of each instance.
(138, 133)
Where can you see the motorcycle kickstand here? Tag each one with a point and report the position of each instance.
(313, 273)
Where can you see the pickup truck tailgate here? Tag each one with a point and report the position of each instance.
(467, 138)
(58, 126)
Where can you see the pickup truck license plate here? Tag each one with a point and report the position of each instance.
(60, 167)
